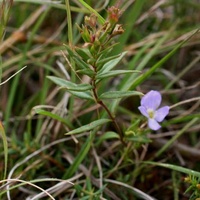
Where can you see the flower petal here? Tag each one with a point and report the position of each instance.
(143, 110)
(161, 113)
(153, 124)
(151, 100)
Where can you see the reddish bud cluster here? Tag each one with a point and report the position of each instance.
(98, 36)
(113, 14)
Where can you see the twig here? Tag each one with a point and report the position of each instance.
(184, 102)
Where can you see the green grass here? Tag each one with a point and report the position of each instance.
(57, 146)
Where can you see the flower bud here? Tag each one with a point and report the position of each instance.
(85, 34)
(113, 14)
(187, 179)
(198, 186)
(118, 30)
(91, 21)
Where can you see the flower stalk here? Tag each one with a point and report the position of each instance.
(101, 103)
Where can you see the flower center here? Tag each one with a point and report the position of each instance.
(151, 113)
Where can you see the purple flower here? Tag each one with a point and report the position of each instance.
(149, 108)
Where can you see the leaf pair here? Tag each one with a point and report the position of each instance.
(83, 90)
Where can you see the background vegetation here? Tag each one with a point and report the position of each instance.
(162, 41)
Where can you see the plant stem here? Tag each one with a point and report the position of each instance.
(101, 103)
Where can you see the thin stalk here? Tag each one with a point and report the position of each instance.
(101, 103)
(69, 20)
(70, 40)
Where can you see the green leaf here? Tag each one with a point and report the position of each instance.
(176, 168)
(112, 63)
(61, 82)
(69, 85)
(106, 136)
(100, 18)
(83, 53)
(80, 63)
(114, 73)
(82, 95)
(183, 118)
(118, 94)
(5, 146)
(77, 58)
(136, 138)
(79, 87)
(104, 59)
(79, 158)
(89, 126)
(70, 51)
(88, 72)
(54, 116)
(104, 53)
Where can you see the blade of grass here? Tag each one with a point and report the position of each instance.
(53, 5)
(175, 167)
(69, 20)
(183, 72)
(182, 119)
(13, 75)
(136, 191)
(100, 18)
(31, 184)
(173, 139)
(72, 63)
(175, 185)
(167, 145)
(43, 95)
(89, 126)
(39, 180)
(54, 116)
(80, 157)
(5, 146)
